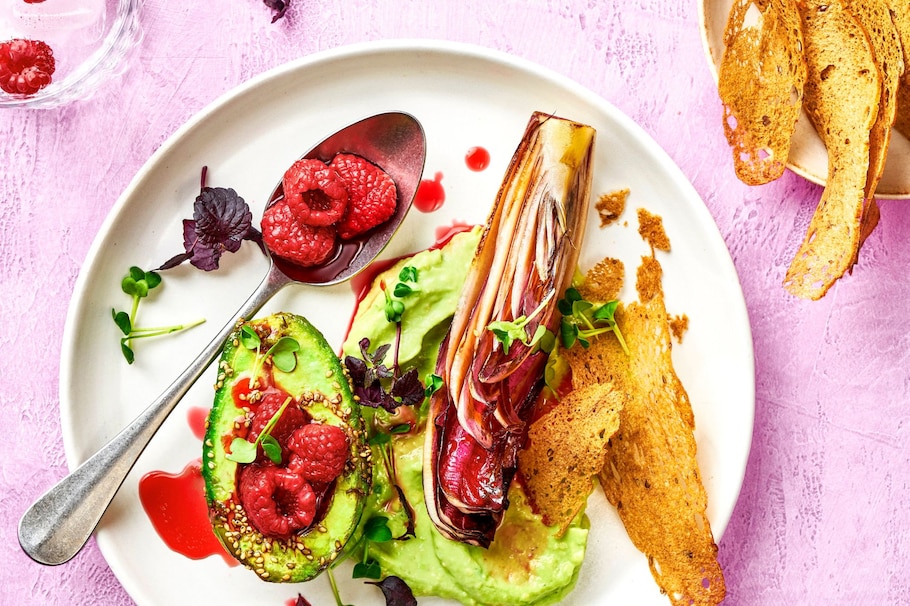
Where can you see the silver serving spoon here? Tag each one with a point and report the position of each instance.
(59, 523)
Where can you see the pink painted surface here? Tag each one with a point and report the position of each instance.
(824, 510)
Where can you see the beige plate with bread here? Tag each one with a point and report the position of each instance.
(808, 156)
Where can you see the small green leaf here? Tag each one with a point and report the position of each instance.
(283, 354)
(408, 273)
(568, 333)
(249, 338)
(393, 309)
(272, 449)
(367, 570)
(141, 289)
(606, 311)
(433, 384)
(152, 279)
(379, 439)
(580, 307)
(402, 290)
(122, 320)
(403, 428)
(128, 285)
(377, 529)
(242, 451)
(127, 352)
(547, 341)
(136, 273)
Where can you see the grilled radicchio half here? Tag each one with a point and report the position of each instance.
(526, 258)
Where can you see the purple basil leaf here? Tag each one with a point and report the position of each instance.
(175, 261)
(279, 6)
(301, 601)
(408, 389)
(222, 217)
(357, 368)
(396, 592)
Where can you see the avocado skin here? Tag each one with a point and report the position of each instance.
(320, 385)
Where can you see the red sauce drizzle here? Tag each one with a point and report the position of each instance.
(430, 195)
(196, 417)
(175, 504)
(477, 159)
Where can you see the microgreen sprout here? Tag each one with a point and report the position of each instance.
(507, 332)
(375, 530)
(583, 320)
(283, 353)
(244, 451)
(137, 284)
(406, 285)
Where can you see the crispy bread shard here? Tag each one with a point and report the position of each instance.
(650, 472)
(842, 98)
(565, 451)
(761, 79)
(900, 14)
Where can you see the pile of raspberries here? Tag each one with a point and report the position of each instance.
(325, 204)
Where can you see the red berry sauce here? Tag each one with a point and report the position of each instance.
(430, 195)
(477, 159)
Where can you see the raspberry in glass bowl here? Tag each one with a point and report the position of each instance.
(53, 52)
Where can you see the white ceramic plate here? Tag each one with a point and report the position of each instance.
(808, 156)
(465, 97)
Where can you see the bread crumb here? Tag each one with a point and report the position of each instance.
(651, 228)
(610, 206)
(678, 326)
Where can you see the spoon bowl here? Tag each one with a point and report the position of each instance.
(58, 524)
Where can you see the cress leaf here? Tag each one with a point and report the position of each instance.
(272, 449)
(129, 285)
(242, 451)
(606, 311)
(283, 354)
(122, 320)
(408, 273)
(568, 333)
(396, 592)
(152, 279)
(136, 273)
(379, 439)
(434, 384)
(249, 338)
(402, 290)
(127, 352)
(367, 570)
(377, 529)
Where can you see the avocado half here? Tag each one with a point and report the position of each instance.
(319, 385)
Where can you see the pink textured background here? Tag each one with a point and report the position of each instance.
(824, 509)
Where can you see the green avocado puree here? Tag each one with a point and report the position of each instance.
(527, 563)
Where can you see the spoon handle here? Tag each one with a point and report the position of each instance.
(59, 523)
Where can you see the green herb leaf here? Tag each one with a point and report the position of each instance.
(272, 449)
(152, 279)
(402, 290)
(284, 354)
(367, 570)
(122, 320)
(242, 451)
(249, 338)
(127, 352)
(433, 384)
(379, 439)
(377, 529)
(408, 273)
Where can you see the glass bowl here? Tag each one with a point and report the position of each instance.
(90, 40)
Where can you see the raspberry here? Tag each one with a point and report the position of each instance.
(319, 452)
(291, 419)
(26, 66)
(315, 193)
(372, 195)
(278, 502)
(301, 244)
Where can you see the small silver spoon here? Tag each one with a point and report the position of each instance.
(58, 524)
